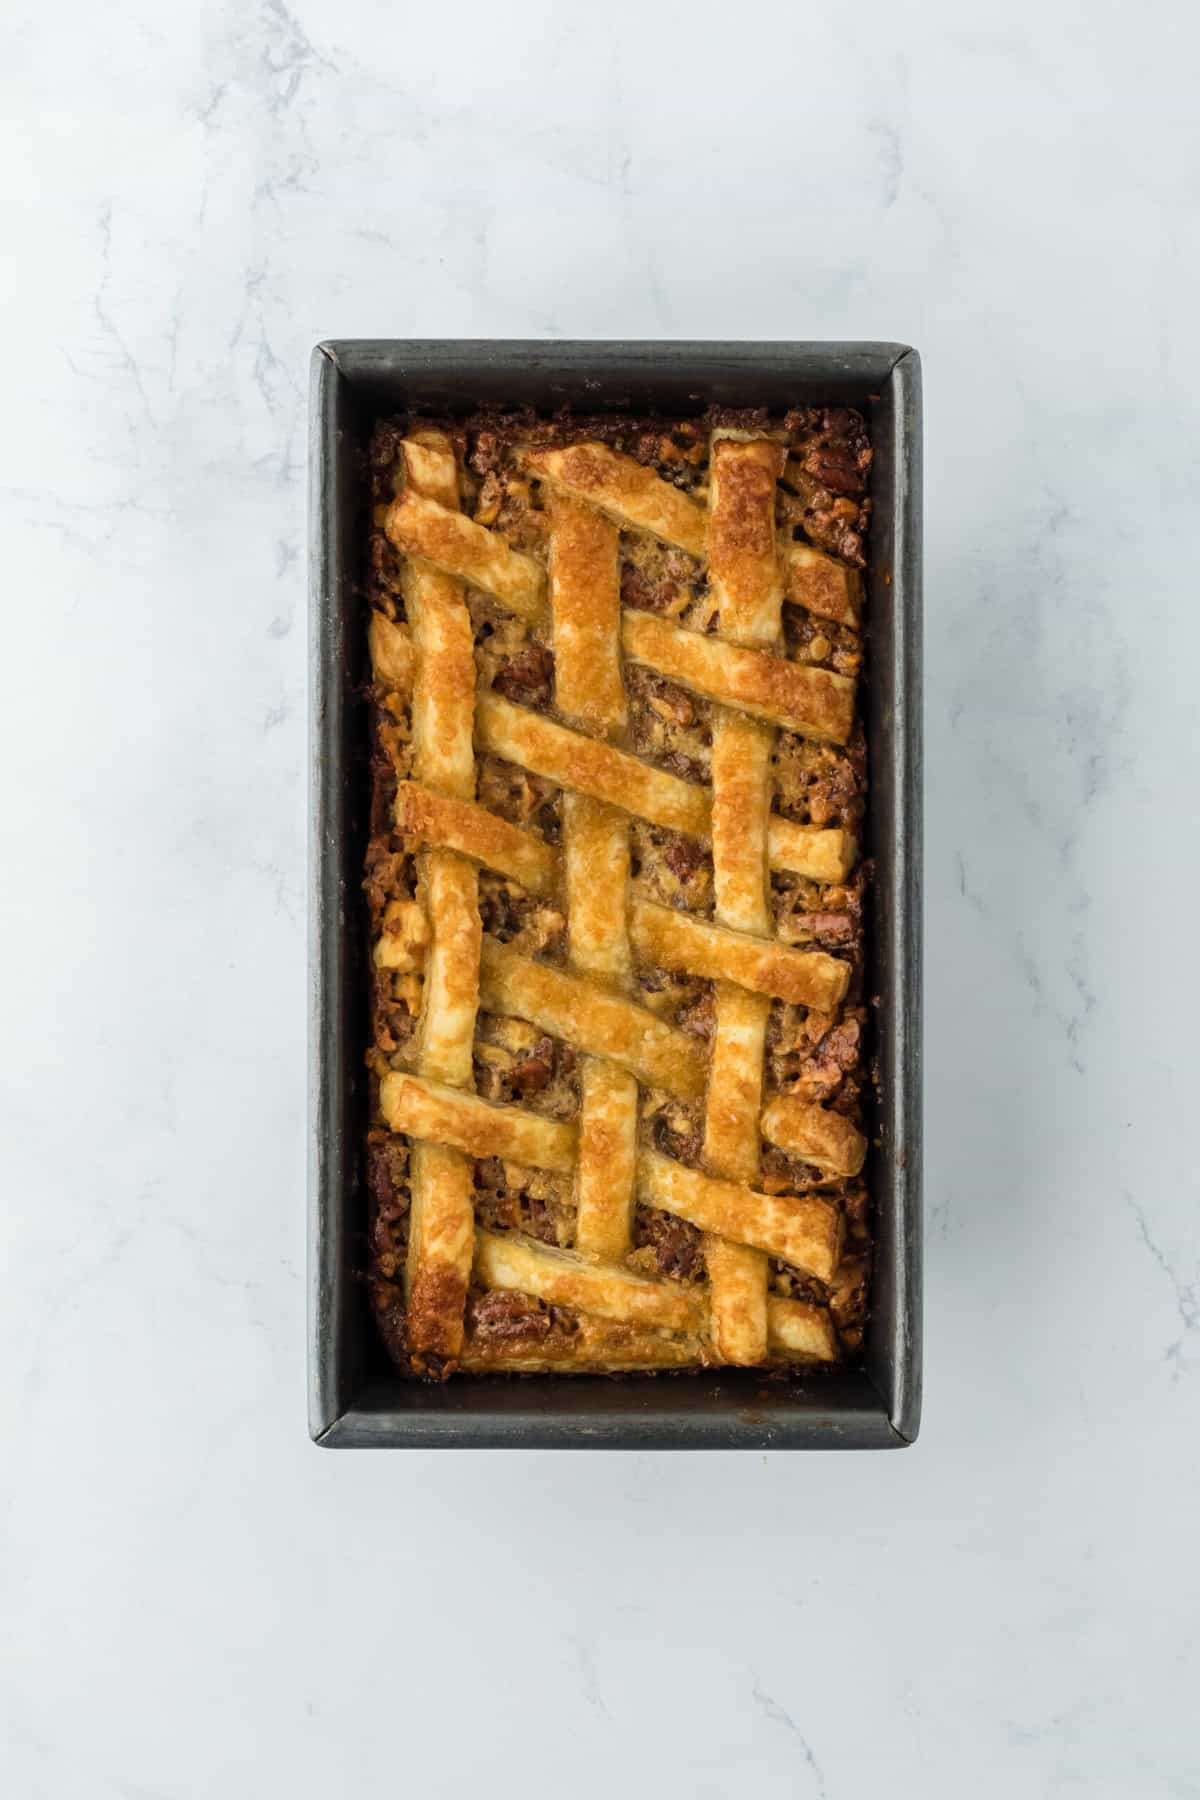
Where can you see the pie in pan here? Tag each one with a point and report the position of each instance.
(616, 891)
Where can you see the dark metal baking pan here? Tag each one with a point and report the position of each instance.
(356, 1396)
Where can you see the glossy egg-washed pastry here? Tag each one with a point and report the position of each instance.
(616, 892)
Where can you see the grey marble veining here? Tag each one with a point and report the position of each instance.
(196, 1601)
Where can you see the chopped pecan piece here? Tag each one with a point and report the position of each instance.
(638, 590)
(535, 1071)
(677, 1132)
(831, 928)
(386, 876)
(504, 1315)
(683, 857)
(673, 1245)
(526, 677)
(700, 1017)
(836, 468)
(838, 1052)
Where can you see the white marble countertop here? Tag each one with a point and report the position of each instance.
(196, 1601)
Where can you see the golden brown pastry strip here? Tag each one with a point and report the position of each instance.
(623, 490)
(596, 852)
(741, 773)
(427, 817)
(596, 855)
(460, 547)
(731, 1134)
(443, 701)
(608, 1119)
(392, 656)
(588, 766)
(431, 468)
(737, 1286)
(451, 969)
(595, 1020)
(814, 702)
(748, 593)
(743, 566)
(803, 1229)
(821, 855)
(825, 1139)
(585, 604)
(799, 1329)
(441, 1246)
(676, 940)
(824, 587)
(444, 1115)
(565, 1278)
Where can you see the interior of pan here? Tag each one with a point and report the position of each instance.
(873, 1402)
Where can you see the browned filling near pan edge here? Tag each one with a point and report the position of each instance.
(819, 1057)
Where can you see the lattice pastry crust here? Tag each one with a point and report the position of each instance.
(616, 894)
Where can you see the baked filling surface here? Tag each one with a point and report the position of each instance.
(616, 892)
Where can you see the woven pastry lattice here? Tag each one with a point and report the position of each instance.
(591, 1302)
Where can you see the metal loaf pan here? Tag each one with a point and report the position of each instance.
(356, 1396)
